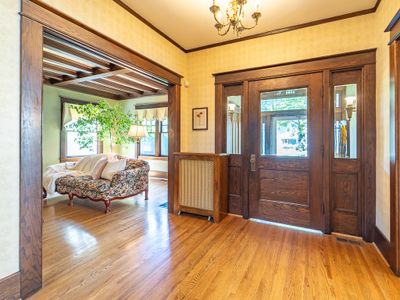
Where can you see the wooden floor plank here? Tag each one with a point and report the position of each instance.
(139, 251)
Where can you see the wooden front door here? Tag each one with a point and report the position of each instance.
(285, 144)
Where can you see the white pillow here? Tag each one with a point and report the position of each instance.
(113, 167)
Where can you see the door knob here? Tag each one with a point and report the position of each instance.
(253, 162)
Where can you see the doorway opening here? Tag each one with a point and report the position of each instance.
(69, 58)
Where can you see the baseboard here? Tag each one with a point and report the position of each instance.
(158, 174)
(10, 287)
(383, 244)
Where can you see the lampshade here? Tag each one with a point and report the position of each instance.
(137, 131)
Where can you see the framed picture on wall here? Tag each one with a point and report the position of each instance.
(200, 118)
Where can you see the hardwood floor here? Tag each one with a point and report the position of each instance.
(139, 251)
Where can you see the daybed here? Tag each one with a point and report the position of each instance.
(127, 183)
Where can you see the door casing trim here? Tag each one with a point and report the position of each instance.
(364, 60)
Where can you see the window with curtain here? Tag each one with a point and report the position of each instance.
(156, 122)
(69, 147)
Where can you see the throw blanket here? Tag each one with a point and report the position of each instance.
(81, 168)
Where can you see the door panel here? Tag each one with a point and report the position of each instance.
(346, 179)
(285, 143)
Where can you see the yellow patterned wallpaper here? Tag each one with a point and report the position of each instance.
(352, 34)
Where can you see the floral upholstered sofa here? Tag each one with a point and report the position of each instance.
(130, 182)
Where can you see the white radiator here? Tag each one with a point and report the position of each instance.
(196, 184)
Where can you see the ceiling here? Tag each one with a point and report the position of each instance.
(191, 25)
(71, 66)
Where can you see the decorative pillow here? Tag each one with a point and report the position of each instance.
(112, 168)
(98, 168)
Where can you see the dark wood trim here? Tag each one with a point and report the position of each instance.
(219, 115)
(382, 244)
(36, 20)
(150, 106)
(394, 28)
(136, 15)
(338, 61)
(30, 255)
(10, 287)
(59, 22)
(393, 22)
(327, 140)
(193, 110)
(158, 174)
(174, 139)
(391, 249)
(368, 150)
(245, 151)
(162, 158)
(250, 37)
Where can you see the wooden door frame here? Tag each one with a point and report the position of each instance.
(391, 248)
(36, 18)
(365, 61)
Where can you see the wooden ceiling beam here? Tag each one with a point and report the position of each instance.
(58, 70)
(79, 48)
(49, 74)
(105, 82)
(91, 91)
(96, 86)
(74, 54)
(141, 79)
(66, 63)
(120, 81)
(97, 74)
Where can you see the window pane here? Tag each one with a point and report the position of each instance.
(148, 144)
(233, 124)
(164, 144)
(73, 148)
(284, 123)
(345, 121)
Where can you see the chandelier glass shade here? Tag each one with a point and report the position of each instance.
(234, 16)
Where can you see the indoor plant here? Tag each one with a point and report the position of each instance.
(110, 123)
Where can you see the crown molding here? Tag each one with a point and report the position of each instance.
(254, 36)
(134, 13)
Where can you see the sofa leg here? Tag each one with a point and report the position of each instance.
(107, 204)
(70, 196)
(146, 194)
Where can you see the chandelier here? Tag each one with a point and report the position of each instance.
(234, 17)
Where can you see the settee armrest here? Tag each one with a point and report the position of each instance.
(128, 176)
(130, 182)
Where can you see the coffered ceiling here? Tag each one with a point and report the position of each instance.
(190, 24)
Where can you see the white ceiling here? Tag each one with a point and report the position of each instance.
(191, 25)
